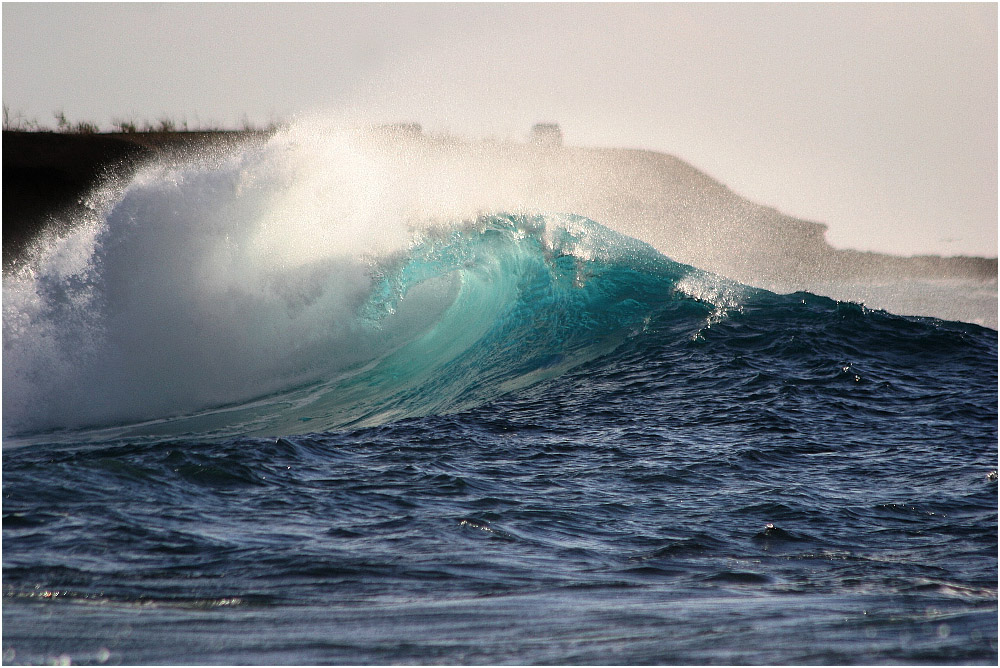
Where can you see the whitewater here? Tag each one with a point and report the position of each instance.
(370, 396)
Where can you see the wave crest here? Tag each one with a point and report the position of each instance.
(163, 331)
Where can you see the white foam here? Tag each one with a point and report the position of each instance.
(203, 284)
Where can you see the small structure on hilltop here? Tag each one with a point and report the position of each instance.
(546, 134)
(402, 130)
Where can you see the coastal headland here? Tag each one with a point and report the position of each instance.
(688, 215)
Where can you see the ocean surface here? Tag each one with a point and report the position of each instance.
(240, 427)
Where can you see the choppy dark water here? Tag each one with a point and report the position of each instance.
(786, 480)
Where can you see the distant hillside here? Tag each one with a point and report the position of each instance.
(652, 196)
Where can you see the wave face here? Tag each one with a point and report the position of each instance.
(468, 312)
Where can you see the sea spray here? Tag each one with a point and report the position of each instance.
(204, 283)
(281, 270)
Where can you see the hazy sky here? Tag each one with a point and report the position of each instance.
(877, 119)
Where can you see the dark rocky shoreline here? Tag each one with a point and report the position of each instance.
(47, 176)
